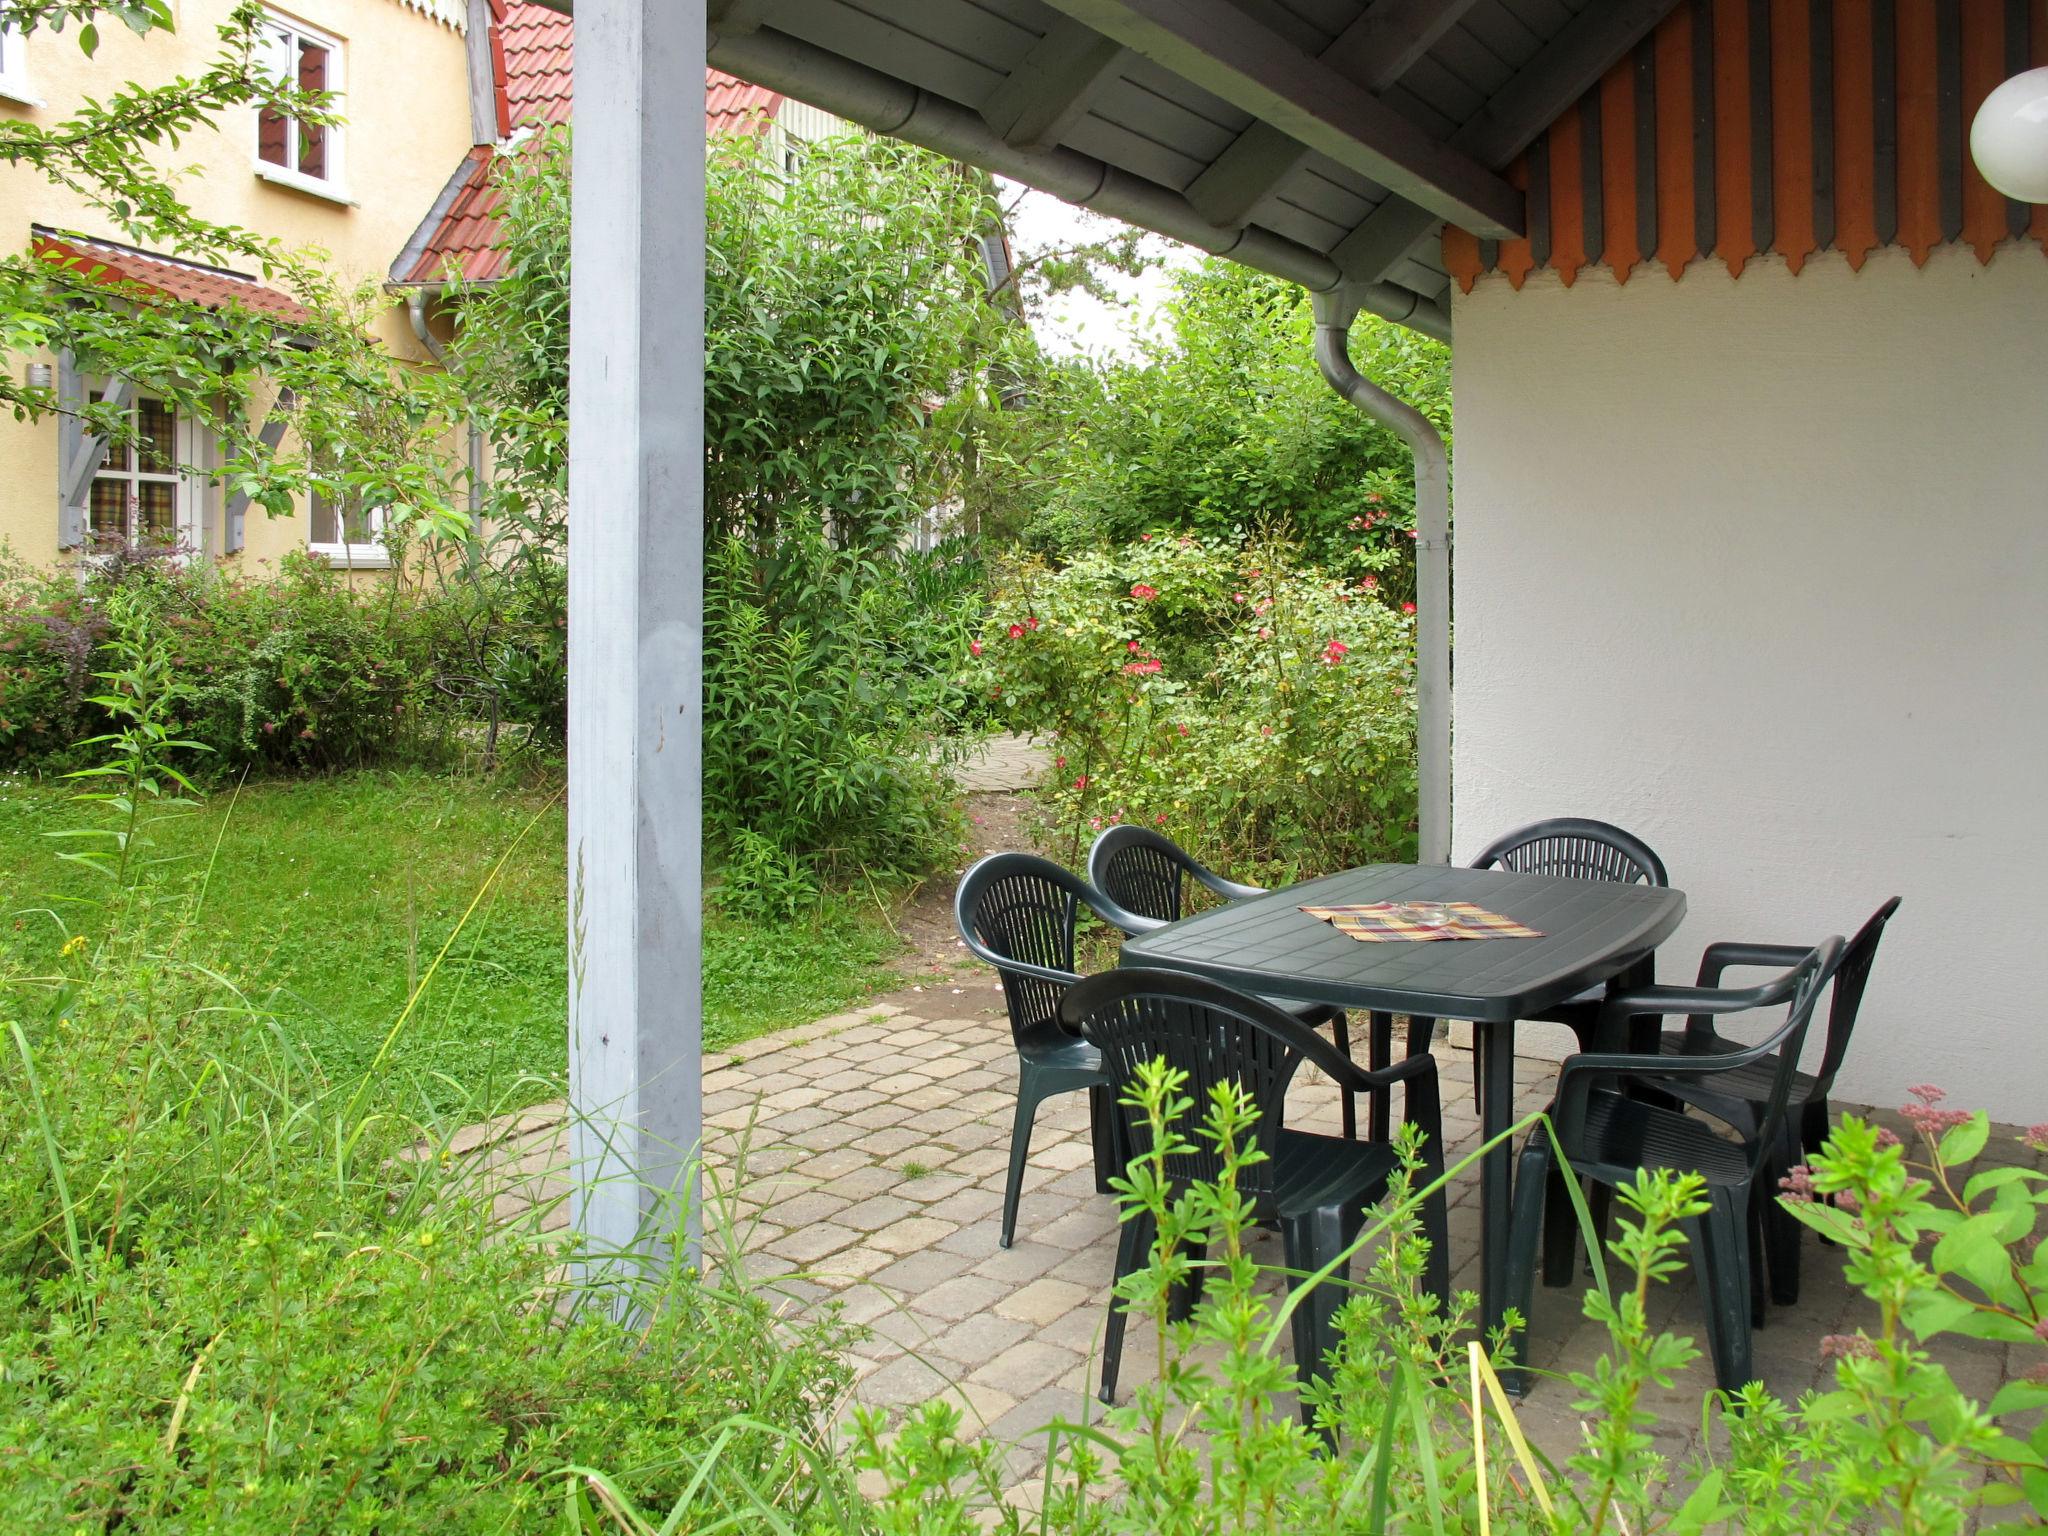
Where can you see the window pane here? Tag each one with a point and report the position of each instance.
(326, 529)
(157, 428)
(157, 511)
(313, 150)
(108, 515)
(270, 137)
(312, 139)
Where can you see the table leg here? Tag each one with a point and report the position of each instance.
(1493, 1068)
(1379, 1054)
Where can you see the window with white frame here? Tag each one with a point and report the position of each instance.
(346, 533)
(289, 150)
(143, 493)
(14, 83)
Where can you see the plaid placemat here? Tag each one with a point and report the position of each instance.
(1375, 923)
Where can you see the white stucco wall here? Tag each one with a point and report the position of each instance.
(1756, 568)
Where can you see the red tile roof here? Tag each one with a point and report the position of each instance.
(530, 56)
(147, 276)
(734, 106)
(531, 67)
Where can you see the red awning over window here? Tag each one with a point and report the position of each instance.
(146, 275)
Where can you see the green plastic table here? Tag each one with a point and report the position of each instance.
(1595, 932)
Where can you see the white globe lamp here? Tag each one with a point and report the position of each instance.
(2009, 138)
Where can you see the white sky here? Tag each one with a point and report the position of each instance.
(1078, 323)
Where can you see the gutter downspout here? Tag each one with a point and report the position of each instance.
(416, 312)
(1334, 311)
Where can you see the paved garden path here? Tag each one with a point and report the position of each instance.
(1001, 765)
(873, 1146)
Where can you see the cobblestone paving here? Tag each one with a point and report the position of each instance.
(874, 1144)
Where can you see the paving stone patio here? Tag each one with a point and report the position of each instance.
(873, 1145)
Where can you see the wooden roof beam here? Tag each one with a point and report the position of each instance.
(1216, 46)
(1375, 50)
(1569, 66)
(1053, 85)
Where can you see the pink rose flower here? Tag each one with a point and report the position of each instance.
(1143, 593)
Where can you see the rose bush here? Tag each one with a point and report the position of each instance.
(1260, 710)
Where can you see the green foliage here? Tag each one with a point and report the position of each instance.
(135, 778)
(300, 672)
(231, 1304)
(1942, 1250)
(823, 703)
(324, 899)
(1261, 711)
(1228, 429)
(1411, 1434)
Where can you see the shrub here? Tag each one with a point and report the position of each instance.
(1259, 710)
(1227, 428)
(822, 714)
(295, 672)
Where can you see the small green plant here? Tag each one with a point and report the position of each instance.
(1941, 1250)
(137, 779)
(1412, 1432)
(915, 1170)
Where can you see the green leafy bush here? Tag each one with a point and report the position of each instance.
(1225, 428)
(821, 725)
(296, 672)
(1259, 710)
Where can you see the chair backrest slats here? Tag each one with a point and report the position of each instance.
(1852, 976)
(1146, 873)
(1141, 878)
(1213, 1034)
(1575, 848)
(1015, 910)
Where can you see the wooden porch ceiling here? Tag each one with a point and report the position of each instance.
(1325, 140)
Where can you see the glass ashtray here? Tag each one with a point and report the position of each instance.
(1420, 914)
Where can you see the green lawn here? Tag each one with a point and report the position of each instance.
(329, 899)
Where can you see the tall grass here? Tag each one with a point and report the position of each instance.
(243, 1295)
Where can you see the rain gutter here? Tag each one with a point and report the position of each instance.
(1334, 312)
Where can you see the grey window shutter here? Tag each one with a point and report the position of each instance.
(237, 510)
(88, 453)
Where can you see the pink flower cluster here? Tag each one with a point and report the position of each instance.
(1925, 1117)
(1335, 652)
(1798, 1184)
(1847, 1346)
(1147, 665)
(1143, 593)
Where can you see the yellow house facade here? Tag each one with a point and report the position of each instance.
(399, 72)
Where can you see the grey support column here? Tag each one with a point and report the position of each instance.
(635, 621)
